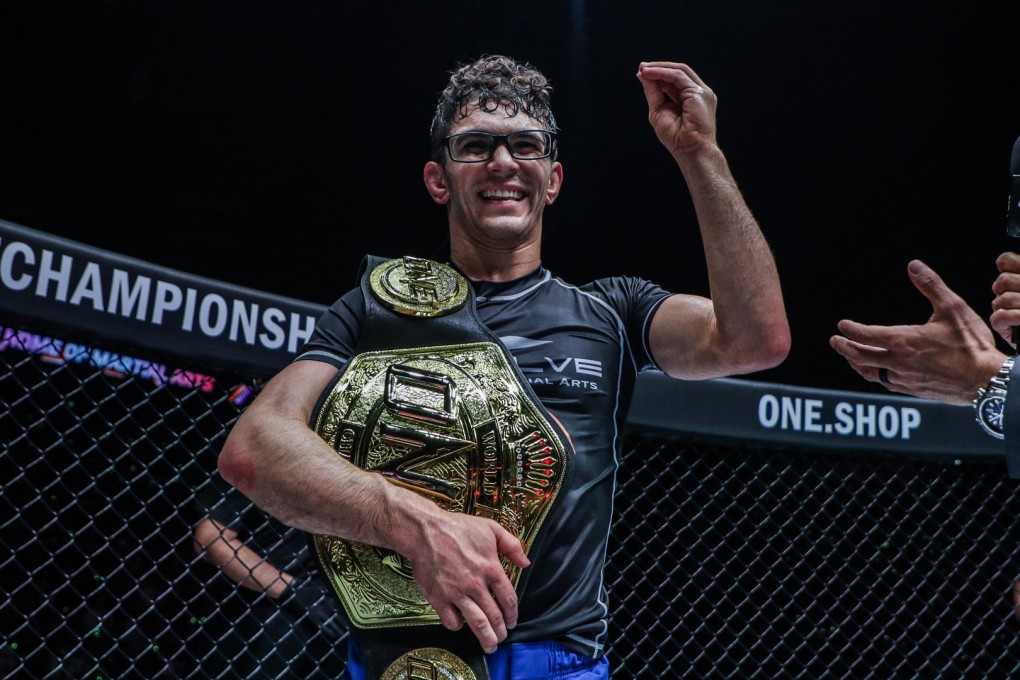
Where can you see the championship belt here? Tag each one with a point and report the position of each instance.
(435, 403)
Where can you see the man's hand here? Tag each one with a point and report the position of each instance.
(948, 358)
(457, 567)
(219, 544)
(1006, 305)
(681, 107)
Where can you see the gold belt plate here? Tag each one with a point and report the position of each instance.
(429, 663)
(454, 425)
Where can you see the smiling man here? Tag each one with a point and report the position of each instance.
(450, 435)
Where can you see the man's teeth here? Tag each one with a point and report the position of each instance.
(516, 195)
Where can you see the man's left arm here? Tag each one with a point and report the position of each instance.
(742, 328)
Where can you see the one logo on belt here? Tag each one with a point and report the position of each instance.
(419, 287)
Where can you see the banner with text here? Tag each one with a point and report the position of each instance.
(804, 416)
(66, 285)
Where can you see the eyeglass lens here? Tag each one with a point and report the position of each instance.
(473, 147)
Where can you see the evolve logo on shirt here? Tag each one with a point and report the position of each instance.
(564, 371)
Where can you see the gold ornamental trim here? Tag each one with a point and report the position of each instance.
(418, 287)
(428, 663)
(454, 425)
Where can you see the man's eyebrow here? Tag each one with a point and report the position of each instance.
(498, 134)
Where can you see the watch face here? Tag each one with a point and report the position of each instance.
(990, 412)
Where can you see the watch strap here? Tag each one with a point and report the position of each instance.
(1011, 415)
(1001, 378)
(996, 391)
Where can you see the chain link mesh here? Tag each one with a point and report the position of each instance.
(744, 562)
(728, 561)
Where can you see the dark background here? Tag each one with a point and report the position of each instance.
(272, 143)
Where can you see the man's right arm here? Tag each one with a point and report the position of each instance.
(274, 458)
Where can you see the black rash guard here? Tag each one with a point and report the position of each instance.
(580, 348)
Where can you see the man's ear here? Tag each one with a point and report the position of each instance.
(555, 184)
(435, 182)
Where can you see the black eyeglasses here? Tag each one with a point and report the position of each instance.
(478, 147)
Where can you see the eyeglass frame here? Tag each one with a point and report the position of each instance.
(501, 140)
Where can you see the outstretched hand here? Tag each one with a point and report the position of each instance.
(948, 358)
(681, 107)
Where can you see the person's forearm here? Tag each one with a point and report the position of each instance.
(745, 290)
(292, 474)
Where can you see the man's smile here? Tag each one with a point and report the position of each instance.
(502, 195)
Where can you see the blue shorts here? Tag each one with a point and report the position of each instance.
(519, 661)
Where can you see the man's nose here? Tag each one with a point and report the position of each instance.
(501, 156)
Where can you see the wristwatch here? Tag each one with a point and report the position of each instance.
(991, 401)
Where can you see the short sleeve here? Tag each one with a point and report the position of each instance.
(336, 334)
(635, 301)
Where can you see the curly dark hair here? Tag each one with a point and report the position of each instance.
(492, 81)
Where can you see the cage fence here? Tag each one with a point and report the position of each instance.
(727, 559)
